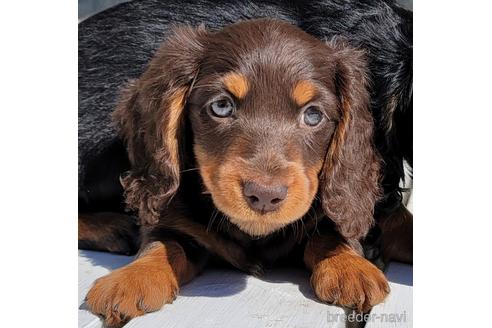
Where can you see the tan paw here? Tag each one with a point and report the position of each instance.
(131, 291)
(349, 280)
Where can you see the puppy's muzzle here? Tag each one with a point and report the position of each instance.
(264, 198)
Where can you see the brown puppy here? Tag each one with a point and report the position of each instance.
(251, 144)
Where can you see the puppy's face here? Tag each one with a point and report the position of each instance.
(271, 110)
(263, 109)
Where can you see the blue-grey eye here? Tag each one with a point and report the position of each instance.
(222, 108)
(312, 116)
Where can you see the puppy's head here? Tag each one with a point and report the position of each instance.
(277, 117)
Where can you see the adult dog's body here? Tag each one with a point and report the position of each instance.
(232, 221)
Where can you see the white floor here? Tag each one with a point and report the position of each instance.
(221, 298)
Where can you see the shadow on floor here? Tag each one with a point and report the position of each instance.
(105, 260)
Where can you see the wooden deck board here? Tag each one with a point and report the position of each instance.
(227, 298)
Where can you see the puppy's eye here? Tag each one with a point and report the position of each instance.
(312, 116)
(222, 108)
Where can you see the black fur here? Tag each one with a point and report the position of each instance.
(116, 45)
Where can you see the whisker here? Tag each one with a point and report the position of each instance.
(223, 220)
(211, 220)
(192, 169)
(296, 229)
(309, 143)
(303, 228)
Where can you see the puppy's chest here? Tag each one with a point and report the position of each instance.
(285, 246)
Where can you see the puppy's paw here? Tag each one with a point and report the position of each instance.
(131, 291)
(350, 281)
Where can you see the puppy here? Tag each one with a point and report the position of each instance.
(250, 145)
(109, 57)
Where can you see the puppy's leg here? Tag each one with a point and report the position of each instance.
(144, 285)
(341, 276)
(108, 232)
(397, 236)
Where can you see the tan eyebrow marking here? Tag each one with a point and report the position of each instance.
(237, 84)
(303, 92)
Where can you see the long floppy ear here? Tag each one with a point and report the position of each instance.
(150, 119)
(350, 177)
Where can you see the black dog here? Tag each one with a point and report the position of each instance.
(116, 45)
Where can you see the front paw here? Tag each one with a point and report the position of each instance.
(131, 291)
(349, 280)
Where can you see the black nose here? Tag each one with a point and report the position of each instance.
(264, 198)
